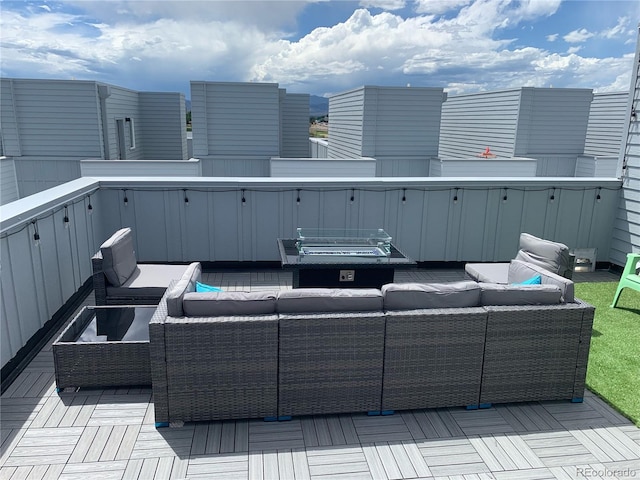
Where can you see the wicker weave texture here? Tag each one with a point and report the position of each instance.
(221, 367)
(330, 363)
(433, 358)
(158, 360)
(531, 353)
(100, 288)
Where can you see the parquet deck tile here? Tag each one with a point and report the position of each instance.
(110, 433)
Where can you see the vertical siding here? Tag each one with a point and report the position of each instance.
(553, 121)
(295, 125)
(121, 104)
(606, 124)
(163, 128)
(8, 181)
(470, 123)
(36, 173)
(626, 231)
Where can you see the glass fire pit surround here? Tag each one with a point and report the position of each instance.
(314, 243)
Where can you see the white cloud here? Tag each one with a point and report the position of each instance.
(552, 38)
(571, 50)
(390, 5)
(578, 36)
(619, 30)
(438, 7)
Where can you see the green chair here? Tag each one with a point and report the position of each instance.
(629, 278)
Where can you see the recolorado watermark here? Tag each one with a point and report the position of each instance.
(589, 472)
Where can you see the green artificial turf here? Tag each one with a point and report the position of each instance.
(613, 371)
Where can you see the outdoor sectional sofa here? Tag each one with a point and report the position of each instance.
(407, 346)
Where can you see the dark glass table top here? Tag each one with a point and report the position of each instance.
(114, 324)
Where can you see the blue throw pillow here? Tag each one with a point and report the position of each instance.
(203, 287)
(537, 280)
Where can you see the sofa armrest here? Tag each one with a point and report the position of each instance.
(99, 280)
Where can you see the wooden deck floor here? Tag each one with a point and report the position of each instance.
(110, 434)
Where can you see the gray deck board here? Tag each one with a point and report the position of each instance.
(110, 433)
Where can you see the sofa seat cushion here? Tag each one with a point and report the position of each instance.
(215, 304)
(118, 257)
(147, 281)
(187, 283)
(552, 256)
(307, 300)
(497, 294)
(520, 271)
(410, 296)
(488, 272)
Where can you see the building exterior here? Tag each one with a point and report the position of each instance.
(548, 124)
(48, 126)
(398, 126)
(238, 127)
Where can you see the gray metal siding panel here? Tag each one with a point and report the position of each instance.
(553, 121)
(124, 103)
(295, 126)
(36, 174)
(606, 124)
(163, 126)
(53, 118)
(240, 119)
(346, 111)
(470, 123)
(8, 121)
(626, 231)
(8, 181)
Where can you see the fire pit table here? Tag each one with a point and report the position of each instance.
(341, 258)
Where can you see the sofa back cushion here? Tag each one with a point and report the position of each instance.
(187, 283)
(118, 257)
(215, 304)
(520, 271)
(550, 255)
(500, 294)
(308, 300)
(411, 296)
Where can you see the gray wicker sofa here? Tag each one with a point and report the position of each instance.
(321, 351)
(118, 278)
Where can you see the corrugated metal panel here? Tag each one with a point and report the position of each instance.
(39, 173)
(470, 123)
(555, 165)
(8, 181)
(53, 118)
(606, 124)
(295, 125)
(163, 128)
(553, 121)
(240, 118)
(626, 231)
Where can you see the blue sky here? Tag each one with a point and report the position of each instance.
(324, 47)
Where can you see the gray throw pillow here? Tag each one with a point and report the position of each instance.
(118, 257)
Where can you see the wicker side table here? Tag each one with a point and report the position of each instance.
(104, 347)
